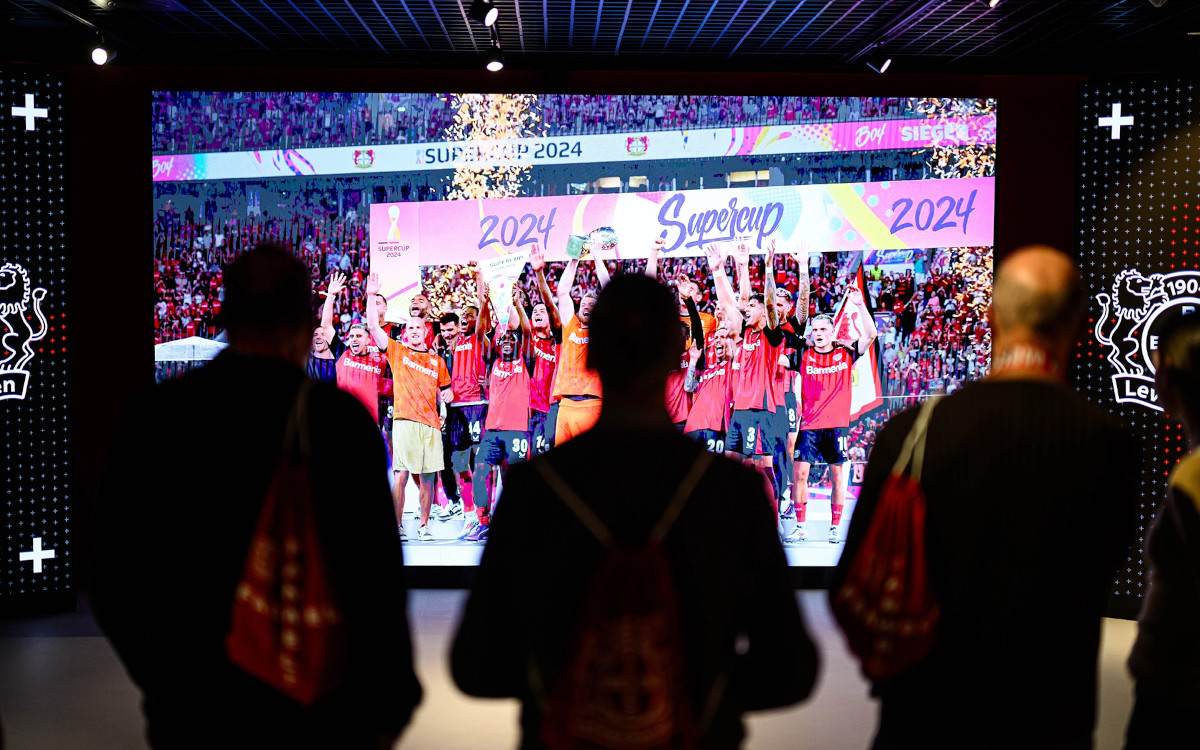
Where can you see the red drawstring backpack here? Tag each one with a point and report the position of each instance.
(285, 625)
(886, 605)
(624, 686)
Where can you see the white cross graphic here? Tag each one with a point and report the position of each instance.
(37, 555)
(29, 112)
(1116, 122)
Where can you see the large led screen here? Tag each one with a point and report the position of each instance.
(475, 212)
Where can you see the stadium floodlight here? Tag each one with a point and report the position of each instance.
(879, 60)
(495, 58)
(484, 12)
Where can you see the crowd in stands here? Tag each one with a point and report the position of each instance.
(187, 122)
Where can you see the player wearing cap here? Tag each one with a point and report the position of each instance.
(826, 370)
(419, 381)
(576, 386)
(546, 339)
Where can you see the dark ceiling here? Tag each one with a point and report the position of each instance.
(925, 36)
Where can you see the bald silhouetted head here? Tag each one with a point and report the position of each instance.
(634, 335)
(1037, 295)
(268, 303)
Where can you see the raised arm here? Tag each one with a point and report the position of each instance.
(866, 324)
(741, 259)
(652, 261)
(566, 305)
(601, 269)
(801, 253)
(378, 335)
(769, 286)
(519, 303)
(537, 261)
(725, 298)
(337, 283)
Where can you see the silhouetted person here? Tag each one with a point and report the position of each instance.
(1165, 662)
(191, 462)
(743, 642)
(1031, 496)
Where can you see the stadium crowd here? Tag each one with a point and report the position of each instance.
(191, 121)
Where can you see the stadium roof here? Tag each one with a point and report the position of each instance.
(923, 36)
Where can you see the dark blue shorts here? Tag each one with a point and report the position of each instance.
(793, 412)
(827, 446)
(713, 440)
(541, 432)
(464, 425)
(498, 446)
(752, 431)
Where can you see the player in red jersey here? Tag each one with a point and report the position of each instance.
(792, 313)
(546, 339)
(466, 414)
(710, 381)
(826, 369)
(679, 399)
(506, 437)
(360, 369)
(754, 366)
(575, 384)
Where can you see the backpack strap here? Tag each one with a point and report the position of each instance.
(575, 503)
(913, 448)
(682, 493)
(593, 523)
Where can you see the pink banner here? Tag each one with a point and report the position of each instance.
(859, 216)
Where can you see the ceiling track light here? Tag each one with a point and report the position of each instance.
(102, 53)
(879, 60)
(484, 12)
(494, 59)
(989, 3)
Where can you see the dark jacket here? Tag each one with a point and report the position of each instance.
(191, 460)
(1032, 496)
(728, 567)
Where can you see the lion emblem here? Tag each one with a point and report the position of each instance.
(1133, 298)
(17, 337)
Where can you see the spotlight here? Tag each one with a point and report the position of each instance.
(879, 61)
(1158, 3)
(495, 58)
(484, 12)
(101, 53)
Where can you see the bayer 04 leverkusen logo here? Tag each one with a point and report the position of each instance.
(16, 334)
(637, 146)
(1126, 325)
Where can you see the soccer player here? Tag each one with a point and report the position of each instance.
(755, 363)
(360, 368)
(506, 438)
(575, 385)
(326, 346)
(419, 381)
(466, 414)
(793, 317)
(545, 340)
(826, 368)
(711, 383)
(708, 322)
(679, 400)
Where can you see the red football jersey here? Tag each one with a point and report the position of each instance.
(710, 404)
(678, 401)
(467, 369)
(545, 353)
(825, 387)
(363, 377)
(754, 368)
(508, 386)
